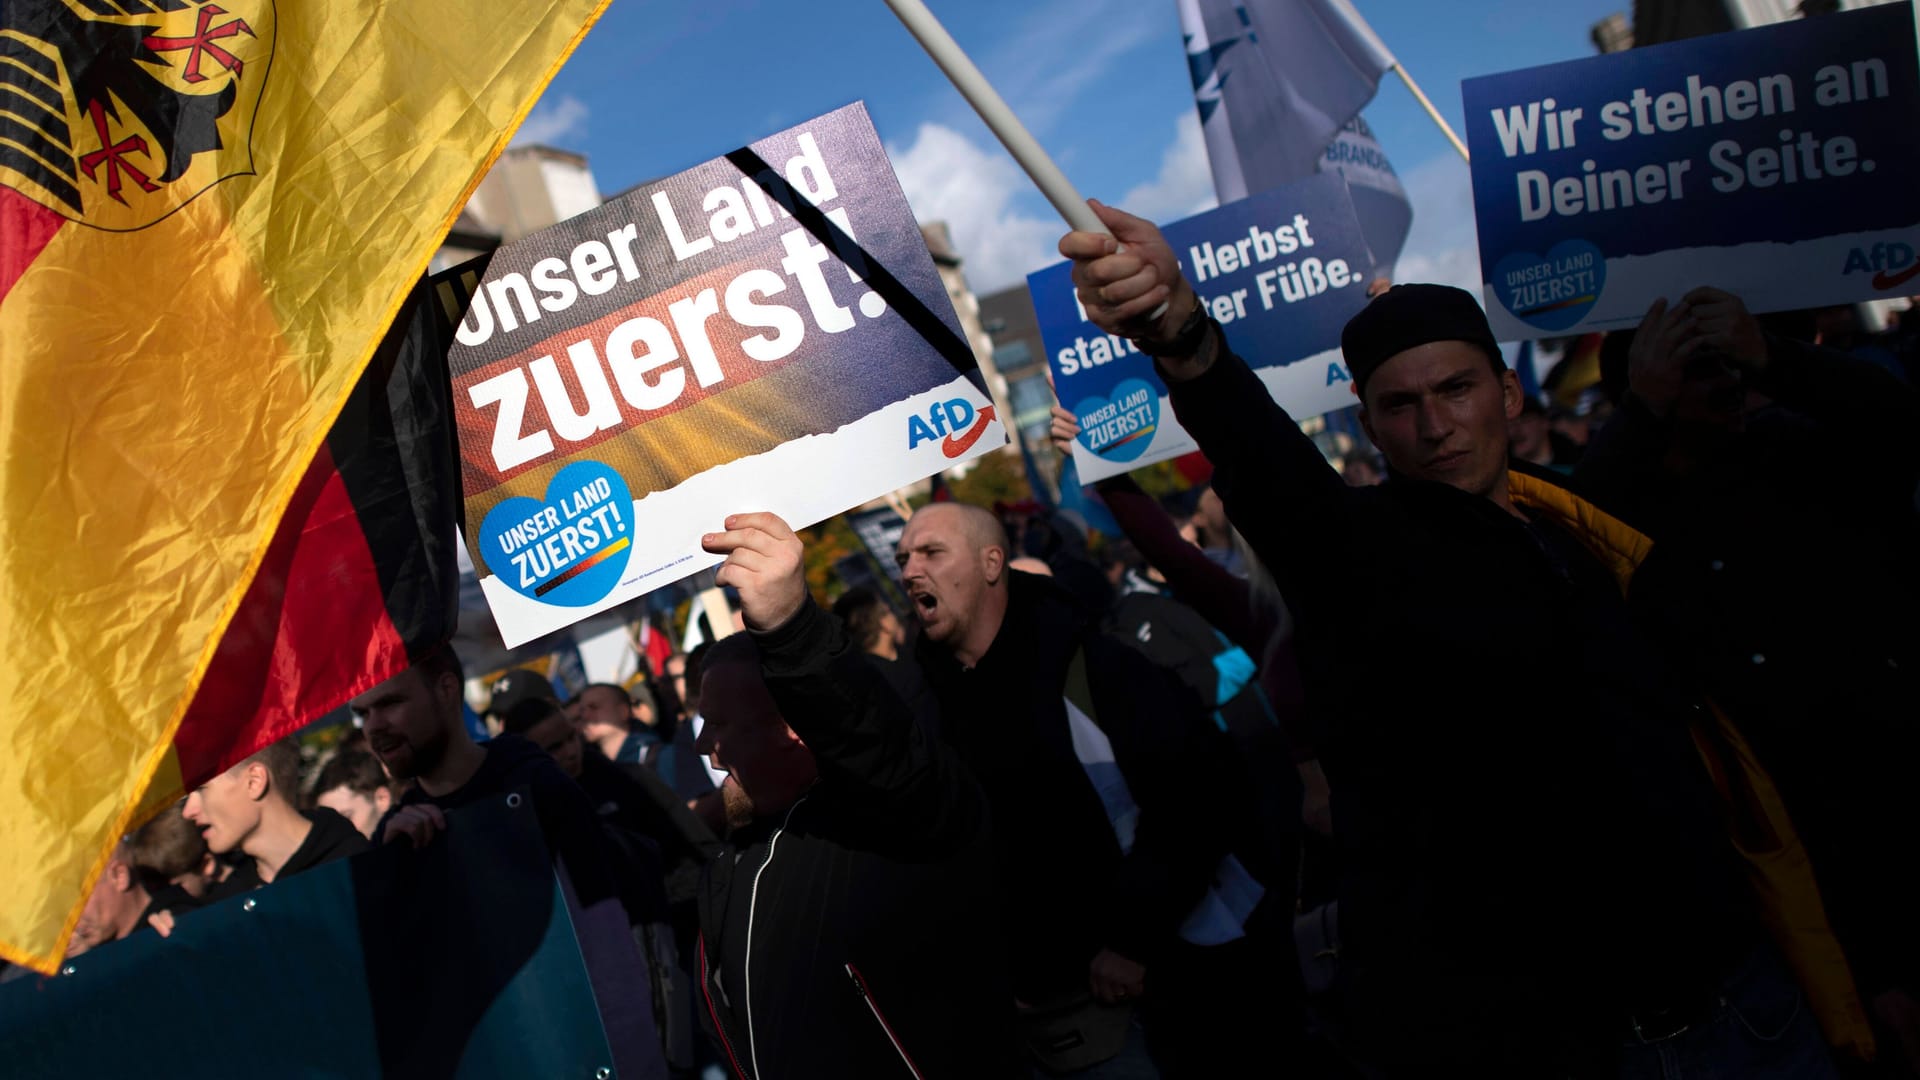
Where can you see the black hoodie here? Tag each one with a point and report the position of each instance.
(332, 837)
(1069, 890)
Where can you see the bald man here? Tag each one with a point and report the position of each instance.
(1102, 775)
(848, 930)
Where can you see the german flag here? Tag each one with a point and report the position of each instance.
(361, 577)
(211, 212)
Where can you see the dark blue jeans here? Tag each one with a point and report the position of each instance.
(1760, 1028)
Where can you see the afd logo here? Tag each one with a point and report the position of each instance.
(1890, 264)
(955, 419)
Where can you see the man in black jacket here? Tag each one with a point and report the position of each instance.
(1535, 878)
(846, 932)
(1103, 775)
(413, 723)
(1791, 589)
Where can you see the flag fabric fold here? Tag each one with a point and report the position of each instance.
(210, 214)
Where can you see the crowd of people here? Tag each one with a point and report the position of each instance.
(1527, 748)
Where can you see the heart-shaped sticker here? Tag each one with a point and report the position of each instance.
(569, 548)
(1120, 426)
(1551, 291)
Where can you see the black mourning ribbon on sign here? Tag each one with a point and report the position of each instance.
(951, 346)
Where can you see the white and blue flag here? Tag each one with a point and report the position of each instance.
(1279, 85)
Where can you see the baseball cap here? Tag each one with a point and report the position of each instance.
(516, 685)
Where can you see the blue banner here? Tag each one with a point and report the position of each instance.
(458, 960)
(1777, 163)
(1282, 271)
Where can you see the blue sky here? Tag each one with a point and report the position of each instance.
(657, 87)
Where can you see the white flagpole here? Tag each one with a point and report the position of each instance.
(1360, 21)
(1445, 128)
(1000, 119)
(1005, 125)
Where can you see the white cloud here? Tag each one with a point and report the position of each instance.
(1042, 65)
(974, 189)
(1058, 50)
(553, 123)
(1442, 246)
(949, 178)
(1184, 185)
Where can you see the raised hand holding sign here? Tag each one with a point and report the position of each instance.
(764, 563)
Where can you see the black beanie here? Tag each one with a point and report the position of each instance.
(1409, 315)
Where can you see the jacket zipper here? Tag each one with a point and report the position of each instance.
(753, 901)
(866, 995)
(706, 990)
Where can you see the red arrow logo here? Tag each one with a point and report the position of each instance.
(1883, 280)
(955, 445)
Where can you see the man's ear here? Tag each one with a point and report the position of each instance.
(257, 779)
(1511, 396)
(446, 686)
(382, 800)
(121, 874)
(993, 561)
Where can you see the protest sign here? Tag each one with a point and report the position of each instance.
(1282, 271)
(764, 331)
(1777, 163)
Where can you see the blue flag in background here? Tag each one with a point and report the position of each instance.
(1076, 499)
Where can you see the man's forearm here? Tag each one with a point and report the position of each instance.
(1178, 365)
(862, 736)
(831, 697)
(1270, 475)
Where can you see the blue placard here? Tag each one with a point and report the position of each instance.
(1777, 163)
(1282, 271)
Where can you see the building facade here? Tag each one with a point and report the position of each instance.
(1021, 359)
